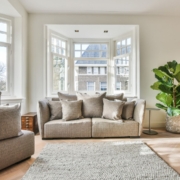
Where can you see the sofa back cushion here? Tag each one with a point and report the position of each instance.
(67, 97)
(10, 121)
(92, 104)
(115, 96)
(112, 109)
(55, 109)
(128, 109)
(71, 110)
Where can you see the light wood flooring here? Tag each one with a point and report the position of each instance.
(166, 145)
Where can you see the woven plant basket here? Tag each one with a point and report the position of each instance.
(173, 124)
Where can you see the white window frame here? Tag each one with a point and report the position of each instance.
(133, 84)
(89, 70)
(95, 70)
(50, 54)
(90, 86)
(9, 46)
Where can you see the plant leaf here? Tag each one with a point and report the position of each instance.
(162, 76)
(173, 111)
(166, 99)
(166, 89)
(165, 69)
(161, 106)
(172, 66)
(155, 86)
(177, 76)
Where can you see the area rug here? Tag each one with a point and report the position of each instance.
(99, 161)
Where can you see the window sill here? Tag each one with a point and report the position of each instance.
(11, 99)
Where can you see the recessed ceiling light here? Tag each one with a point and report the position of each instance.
(76, 30)
(105, 31)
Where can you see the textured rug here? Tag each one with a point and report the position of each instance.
(99, 161)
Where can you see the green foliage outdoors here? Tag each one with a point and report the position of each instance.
(168, 83)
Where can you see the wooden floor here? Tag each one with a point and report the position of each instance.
(166, 145)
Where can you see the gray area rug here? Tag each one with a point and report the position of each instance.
(99, 161)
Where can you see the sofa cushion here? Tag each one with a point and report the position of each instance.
(71, 110)
(10, 121)
(112, 109)
(115, 96)
(80, 128)
(128, 109)
(92, 106)
(110, 128)
(55, 109)
(67, 97)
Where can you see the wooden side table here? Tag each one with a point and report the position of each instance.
(29, 122)
(150, 132)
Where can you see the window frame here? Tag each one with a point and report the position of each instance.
(9, 46)
(94, 85)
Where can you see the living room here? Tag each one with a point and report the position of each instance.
(151, 31)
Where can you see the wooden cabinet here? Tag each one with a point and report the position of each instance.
(29, 122)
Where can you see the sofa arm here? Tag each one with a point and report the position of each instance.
(139, 113)
(43, 114)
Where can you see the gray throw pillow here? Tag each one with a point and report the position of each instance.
(67, 97)
(112, 109)
(55, 109)
(128, 109)
(71, 110)
(10, 121)
(115, 96)
(92, 105)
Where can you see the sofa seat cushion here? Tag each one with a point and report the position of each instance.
(110, 128)
(80, 128)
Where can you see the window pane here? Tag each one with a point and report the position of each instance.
(63, 44)
(77, 53)
(90, 86)
(122, 73)
(128, 41)
(3, 68)
(118, 45)
(3, 37)
(90, 54)
(123, 42)
(103, 46)
(128, 49)
(89, 71)
(77, 47)
(85, 46)
(104, 54)
(3, 26)
(118, 52)
(59, 68)
(123, 50)
(103, 86)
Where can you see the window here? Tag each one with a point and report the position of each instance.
(103, 86)
(58, 61)
(90, 86)
(90, 50)
(5, 49)
(122, 64)
(82, 78)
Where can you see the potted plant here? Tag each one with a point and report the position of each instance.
(168, 83)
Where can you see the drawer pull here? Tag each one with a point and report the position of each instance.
(27, 118)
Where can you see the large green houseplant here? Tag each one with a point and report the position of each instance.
(168, 83)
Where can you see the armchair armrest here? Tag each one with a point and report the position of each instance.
(139, 113)
(43, 114)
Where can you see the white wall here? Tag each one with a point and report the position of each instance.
(159, 43)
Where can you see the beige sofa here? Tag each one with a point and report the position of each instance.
(89, 127)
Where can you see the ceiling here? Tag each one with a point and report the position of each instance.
(92, 31)
(130, 7)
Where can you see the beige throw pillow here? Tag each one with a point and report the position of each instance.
(128, 109)
(67, 97)
(92, 105)
(112, 109)
(55, 109)
(10, 121)
(71, 110)
(115, 96)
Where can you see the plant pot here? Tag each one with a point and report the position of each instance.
(173, 124)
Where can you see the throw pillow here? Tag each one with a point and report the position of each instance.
(92, 105)
(112, 109)
(67, 97)
(71, 110)
(115, 96)
(10, 121)
(55, 109)
(128, 109)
